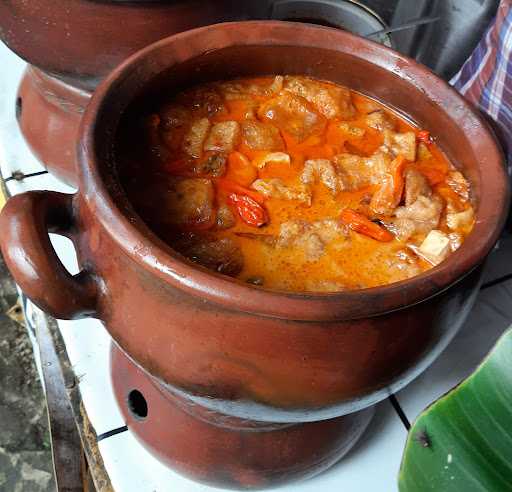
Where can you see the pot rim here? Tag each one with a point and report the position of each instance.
(158, 258)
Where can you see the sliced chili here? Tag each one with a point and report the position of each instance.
(359, 223)
(232, 187)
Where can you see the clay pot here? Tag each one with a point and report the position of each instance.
(80, 41)
(226, 346)
(75, 44)
(222, 450)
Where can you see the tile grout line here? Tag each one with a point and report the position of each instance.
(496, 281)
(19, 176)
(400, 412)
(111, 433)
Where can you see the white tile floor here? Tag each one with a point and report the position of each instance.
(371, 466)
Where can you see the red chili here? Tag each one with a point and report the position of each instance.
(424, 136)
(250, 211)
(230, 186)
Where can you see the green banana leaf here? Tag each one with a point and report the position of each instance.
(463, 441)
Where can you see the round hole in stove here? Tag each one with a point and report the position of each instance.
(137, 404)
(350, 15)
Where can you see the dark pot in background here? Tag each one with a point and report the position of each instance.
(233, 352)
(73, 45)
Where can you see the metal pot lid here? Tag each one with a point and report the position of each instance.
(350, 15)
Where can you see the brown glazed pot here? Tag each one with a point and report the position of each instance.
(210, 340)
(75, 44)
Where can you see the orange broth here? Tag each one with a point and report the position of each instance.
(156, 159)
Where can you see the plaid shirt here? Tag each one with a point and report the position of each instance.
(485, 79)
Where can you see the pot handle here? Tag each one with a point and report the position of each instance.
(25, 222)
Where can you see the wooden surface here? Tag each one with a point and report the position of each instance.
(95, 473)
(89, 469)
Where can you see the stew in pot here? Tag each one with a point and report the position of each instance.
(294, 184)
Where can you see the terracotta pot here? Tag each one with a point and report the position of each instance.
(226, 451)
(227, 346)
(80, 41)
(75, 44)
(49, 112)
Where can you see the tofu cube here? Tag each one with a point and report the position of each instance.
(435, 247)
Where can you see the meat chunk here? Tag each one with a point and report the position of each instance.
(359, 171)
(298, 233)
(174, 116)
(312, 245)
(190, 202)
(406, 262)
(385, 199)
(379, 120)
(275, 188)
(415, 185)
(376, 166)
(221, 255)
(173, 122)
(351, 131)
(425, 212)
(423, 209)
(460, 220)
(242, 90)
(330, 100)
(323, 170)
(457, 182)
(194, 138)
(423, 153)
(412, 218)
(261, 136)
(235, 91)
(213, 165)
(225, 218)
(278, 157)
(290, 231)
(244, 109)
(223, 136)
(293, 115)
(401, 228)
(276, 86)
(329, 230)
(401, 144)
(390, 191)
(205, 101)
(312, 237)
